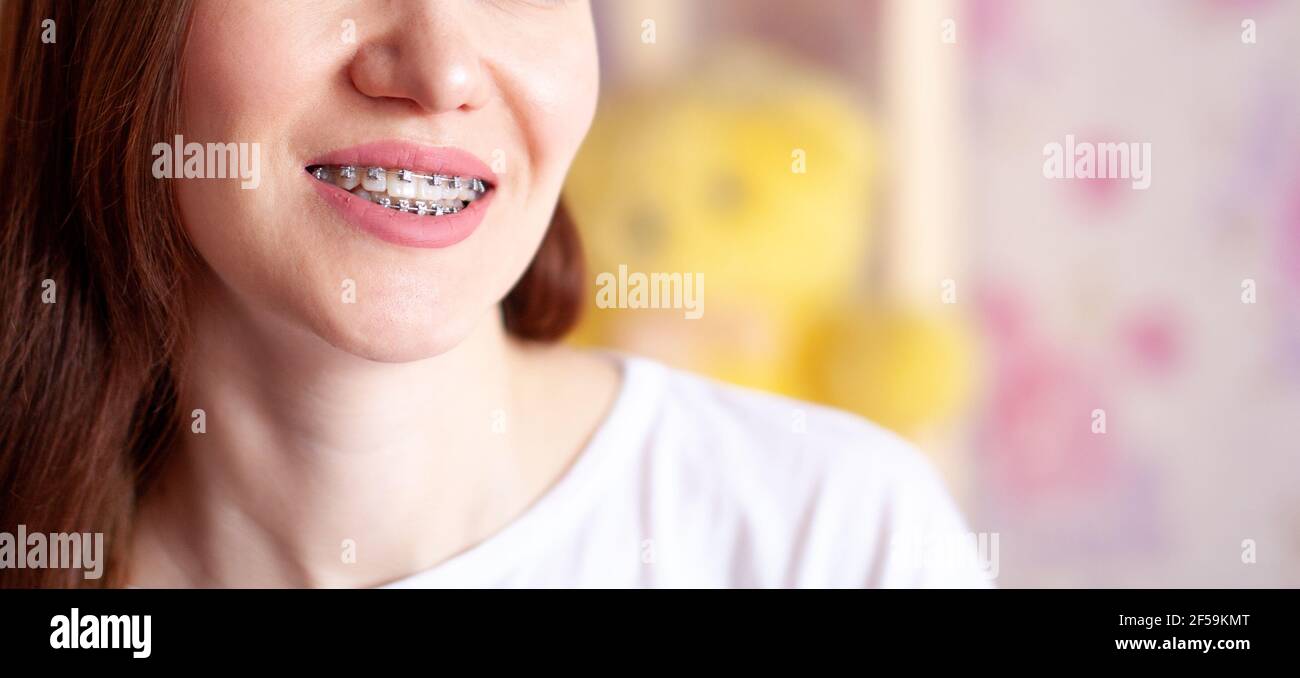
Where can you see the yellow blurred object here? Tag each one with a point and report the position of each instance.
(903, 369)
(757, 174)
(760, 175)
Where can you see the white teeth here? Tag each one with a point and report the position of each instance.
(400, 188)
(425, 190)
(347, 178)
(438, 207)
(404, 190)
(376, 180)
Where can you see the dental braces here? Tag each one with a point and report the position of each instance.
(420, 207)
(436, 180)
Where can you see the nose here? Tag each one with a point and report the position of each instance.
(424, 55)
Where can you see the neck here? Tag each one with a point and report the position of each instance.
(320, 468)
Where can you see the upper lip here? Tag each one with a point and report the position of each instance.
(420, 158)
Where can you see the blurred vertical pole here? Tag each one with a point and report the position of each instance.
(920, 243)
(923, 118)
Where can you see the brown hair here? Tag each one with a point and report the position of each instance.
(88, 382)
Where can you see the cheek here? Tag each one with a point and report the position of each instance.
(225, 100)
(553, 88)
(549, 92)
(565, 106)
(244, 76)
(254, 59)
(221, 78)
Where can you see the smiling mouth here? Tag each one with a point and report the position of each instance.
(405, 190)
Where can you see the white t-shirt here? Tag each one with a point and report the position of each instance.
(693, 483)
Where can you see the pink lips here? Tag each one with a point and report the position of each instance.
(402, 228)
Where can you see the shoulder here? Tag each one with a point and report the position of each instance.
(827, 494)
(777, 435)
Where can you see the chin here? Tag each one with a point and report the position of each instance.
(386, 311)
(403, 337)
(398, 325)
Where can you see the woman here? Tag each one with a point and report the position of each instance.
(336, 366)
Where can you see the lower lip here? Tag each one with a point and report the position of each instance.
(403, 228)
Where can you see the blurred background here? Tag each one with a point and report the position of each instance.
(1108, 378)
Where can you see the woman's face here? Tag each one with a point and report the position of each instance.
(497, 90)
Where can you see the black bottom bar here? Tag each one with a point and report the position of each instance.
(244, 627)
